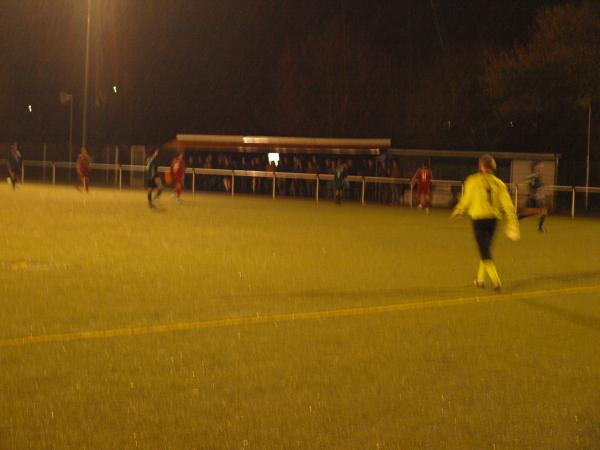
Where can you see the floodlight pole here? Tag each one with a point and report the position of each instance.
(86, 77)
(70, 133)
(587, 159)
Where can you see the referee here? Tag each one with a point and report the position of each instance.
(486, 200)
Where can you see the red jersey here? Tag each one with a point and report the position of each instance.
(83, 165)
(423, 178)
(177, 169)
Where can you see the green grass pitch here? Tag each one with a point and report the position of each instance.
(519, 370)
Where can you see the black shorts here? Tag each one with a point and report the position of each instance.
(484, 230)
(153, 182)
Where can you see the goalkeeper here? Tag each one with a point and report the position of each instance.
(486, 200)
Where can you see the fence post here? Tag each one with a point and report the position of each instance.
(274, 182)
(193, 181)
(317, 189)
(232, 183)
(53, 173)
(573, 202)
(120, 177)
(107, 159)
(23, 172)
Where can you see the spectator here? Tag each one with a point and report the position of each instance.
(384, 188)
(310, 184)
(272, 168)
(339, 179)
(397, 189)
(370, 172)
(281, 182)
(226, 164)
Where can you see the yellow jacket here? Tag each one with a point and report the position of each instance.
(486, 197)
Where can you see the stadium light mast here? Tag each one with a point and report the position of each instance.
(86, 76)
(586, 102)
(587, 158)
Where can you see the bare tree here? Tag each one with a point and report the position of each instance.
(544, 80)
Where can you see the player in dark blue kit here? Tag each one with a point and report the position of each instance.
(536, 203)
(339, 180)
(152, 178)
(15, 161)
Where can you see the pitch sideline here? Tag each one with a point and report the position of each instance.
(288, 317)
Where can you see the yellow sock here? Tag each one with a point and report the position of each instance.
(490, 268)
(481, 272)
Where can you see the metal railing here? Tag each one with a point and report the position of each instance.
(118, 169)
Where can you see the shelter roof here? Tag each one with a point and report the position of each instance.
(258, 144)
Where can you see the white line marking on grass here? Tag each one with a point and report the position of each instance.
(289, 317)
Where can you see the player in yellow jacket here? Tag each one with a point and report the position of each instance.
(486, 200)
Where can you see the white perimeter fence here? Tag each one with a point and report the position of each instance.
(447, 186)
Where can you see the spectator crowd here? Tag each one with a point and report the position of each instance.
(351, 165)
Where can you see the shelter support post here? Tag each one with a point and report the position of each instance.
(362, 193)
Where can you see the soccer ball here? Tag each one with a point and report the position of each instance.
(8, 180)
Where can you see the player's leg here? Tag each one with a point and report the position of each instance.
(484, 232)
(419, 194)
(480, 280)
(150, 197)
(427, 200)
(178, 189)
(543, 209)
(13, 178)
(481, 239)
(159, 188)
(544, 213)
(528, 212)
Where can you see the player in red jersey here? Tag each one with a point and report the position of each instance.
(83, 169)
(423, 178)
(177, 174)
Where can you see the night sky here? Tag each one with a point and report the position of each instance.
(208, 66)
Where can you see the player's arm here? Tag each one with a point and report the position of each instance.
(463, 205)
(512, 222)
(415, 176)
(507, 204)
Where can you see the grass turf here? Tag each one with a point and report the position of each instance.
(507, 374)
